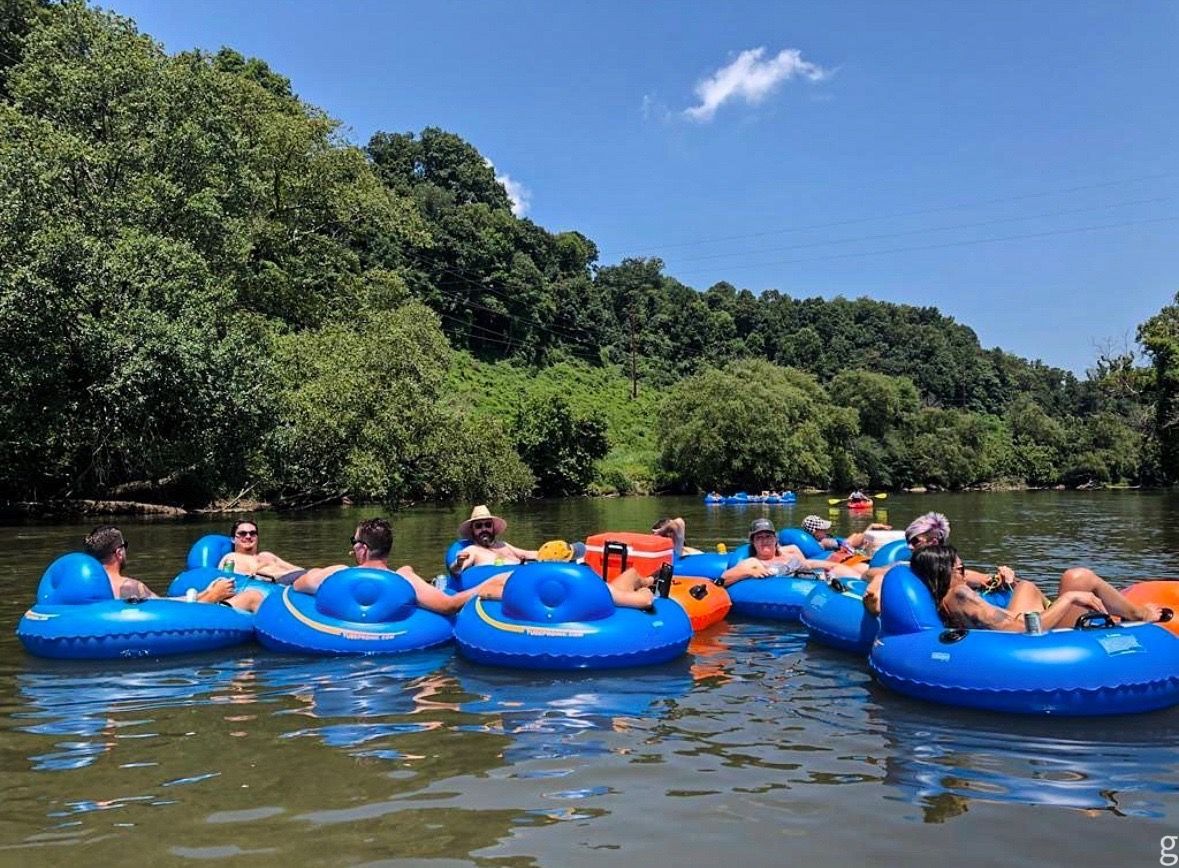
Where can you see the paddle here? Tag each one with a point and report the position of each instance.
(834, 500)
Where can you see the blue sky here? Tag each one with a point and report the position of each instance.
(1016, 164)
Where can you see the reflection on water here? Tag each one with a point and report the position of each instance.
(757, 741)
(943, 762)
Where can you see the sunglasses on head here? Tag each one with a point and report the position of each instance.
(246, 533)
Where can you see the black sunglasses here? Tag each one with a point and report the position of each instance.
(246, 533)
(357, 542)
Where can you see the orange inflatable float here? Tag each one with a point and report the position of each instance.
(1161, 592)
(613, 552)
(703, 600)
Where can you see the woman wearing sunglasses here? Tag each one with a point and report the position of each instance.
(960, 605)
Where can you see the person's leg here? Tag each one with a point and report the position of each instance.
(639, 598)
(247, 601)
(1026, 597)
(1082, 579)
(631, 580)
(832, 569)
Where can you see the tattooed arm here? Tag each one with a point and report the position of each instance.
(967, 607)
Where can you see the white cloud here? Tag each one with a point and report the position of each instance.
(752, 79)
(520, 196)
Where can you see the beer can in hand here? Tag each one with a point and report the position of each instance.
(1031, 623)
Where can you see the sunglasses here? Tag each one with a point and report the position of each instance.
(960, 569)
(245, 534)
(357, 542)
(123, 545)
(479, 525)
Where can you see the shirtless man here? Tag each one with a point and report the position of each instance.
(107, 545)
(482, 530)
(246, 560)
(372, 543)
(820, 529)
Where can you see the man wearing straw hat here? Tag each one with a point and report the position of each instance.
(482, 530)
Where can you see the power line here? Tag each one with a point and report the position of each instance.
(947, 244)
(911, 213)
(557, 331)
(925, 231)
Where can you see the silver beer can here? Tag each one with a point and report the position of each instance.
(1031, 623)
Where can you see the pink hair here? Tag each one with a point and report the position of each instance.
(931, 522)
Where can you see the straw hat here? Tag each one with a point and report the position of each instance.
(481, 513)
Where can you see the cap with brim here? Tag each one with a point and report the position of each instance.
(761, 525)
(813, 523)
(481, 513)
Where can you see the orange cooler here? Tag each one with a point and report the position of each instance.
(646, 552)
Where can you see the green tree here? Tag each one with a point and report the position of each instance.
(747, 425)
(1159, 336)
(559, 448)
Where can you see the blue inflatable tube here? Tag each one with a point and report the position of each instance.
(76, 617)
(1084, 672)
(471, 576)
(709, 498)
(706, 565)
(561, 616)
(835, 616)
(355, 611)
(776, 598)
(201, 569)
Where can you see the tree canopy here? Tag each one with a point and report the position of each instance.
(205, 289)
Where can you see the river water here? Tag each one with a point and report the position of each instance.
(755, 747)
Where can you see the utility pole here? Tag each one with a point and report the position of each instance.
(634, 376)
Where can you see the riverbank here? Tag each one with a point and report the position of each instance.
(66, 508)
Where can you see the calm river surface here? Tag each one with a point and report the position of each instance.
(756, 748)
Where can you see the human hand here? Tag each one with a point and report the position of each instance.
(218, 590)
(871, 603)
(1084, 599)
(1006, 576)
(758, 570)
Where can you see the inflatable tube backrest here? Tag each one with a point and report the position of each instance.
(452, 551)
(208, 551)
(366, 596)
(893, 553)
(551, 592)
(739, 554)
(796, 536)
(906, 606)
(72, 580)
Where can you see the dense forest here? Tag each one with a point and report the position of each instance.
(208, 293)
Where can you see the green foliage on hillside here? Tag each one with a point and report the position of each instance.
(206, 289)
